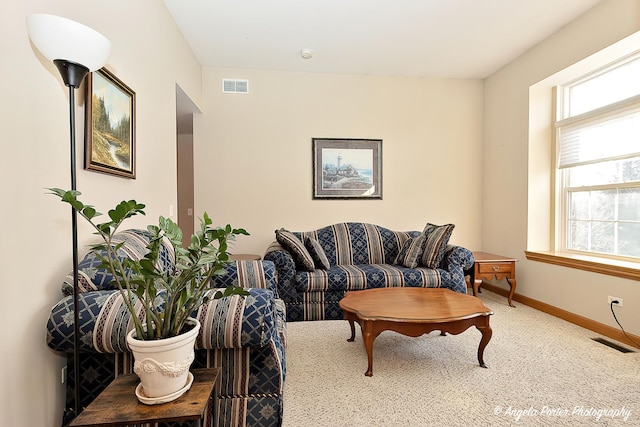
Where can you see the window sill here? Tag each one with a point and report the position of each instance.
(624, 269)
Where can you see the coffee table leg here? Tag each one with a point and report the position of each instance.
(486, 336)
(353, 330)
(350, 317)
(367, 337)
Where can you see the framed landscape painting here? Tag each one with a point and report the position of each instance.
(347, 168)
(109, 125)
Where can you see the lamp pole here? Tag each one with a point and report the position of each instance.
(73, 75)
(74, 244)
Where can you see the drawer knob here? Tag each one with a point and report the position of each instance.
(496, 268)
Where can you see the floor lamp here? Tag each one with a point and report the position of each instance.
(76, 50)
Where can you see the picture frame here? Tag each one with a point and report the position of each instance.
(109, 125)
(346, 168)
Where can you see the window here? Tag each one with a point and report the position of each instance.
(598, 162)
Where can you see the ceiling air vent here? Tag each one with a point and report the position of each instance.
(235, 86)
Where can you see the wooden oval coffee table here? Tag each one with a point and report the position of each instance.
(413, 312)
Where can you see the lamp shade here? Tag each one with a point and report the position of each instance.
(59, 38)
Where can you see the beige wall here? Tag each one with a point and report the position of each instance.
(35, 251)
(253, 151)
(510, 173)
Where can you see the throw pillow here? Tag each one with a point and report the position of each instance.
(411, 251)
(300, 255)
(317, 253)
(437, 238)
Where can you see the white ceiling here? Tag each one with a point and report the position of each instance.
(435, 38)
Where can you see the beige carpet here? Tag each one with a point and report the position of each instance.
(542, 371)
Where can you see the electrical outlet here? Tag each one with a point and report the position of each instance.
(63, 375)
(610, 299)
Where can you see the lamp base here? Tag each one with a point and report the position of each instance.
(72, 73)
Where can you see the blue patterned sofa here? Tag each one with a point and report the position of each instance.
(245, 337)
(360, 256)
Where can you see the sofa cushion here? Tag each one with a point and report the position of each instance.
(247, 274)
(411, 251)
(364, 276)
(92, 277)
(437, 237)
(317, 253)
(358, 243)
(291, 243)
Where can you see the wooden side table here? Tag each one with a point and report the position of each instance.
(487, 266)
(118, 405)
(244, 257)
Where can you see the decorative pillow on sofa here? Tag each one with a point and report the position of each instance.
(317, 253)
(291, 243)
(411, 251)
(437, 237)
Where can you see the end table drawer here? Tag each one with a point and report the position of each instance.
(495, 268)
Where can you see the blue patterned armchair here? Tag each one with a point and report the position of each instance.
(245, 337)
(316, 268)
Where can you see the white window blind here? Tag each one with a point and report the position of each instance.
(608, 133)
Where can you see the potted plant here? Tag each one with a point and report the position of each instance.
(168, 297)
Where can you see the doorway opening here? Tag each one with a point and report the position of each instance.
(185, 109)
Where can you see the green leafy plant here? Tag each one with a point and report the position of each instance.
(168, 296)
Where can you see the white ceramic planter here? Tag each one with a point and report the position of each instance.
(163, 365)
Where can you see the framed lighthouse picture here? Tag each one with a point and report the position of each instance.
(347, 168)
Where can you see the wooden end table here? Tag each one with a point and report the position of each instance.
(244, 257)
(413, 312)
(487, 266)
(118, 405)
